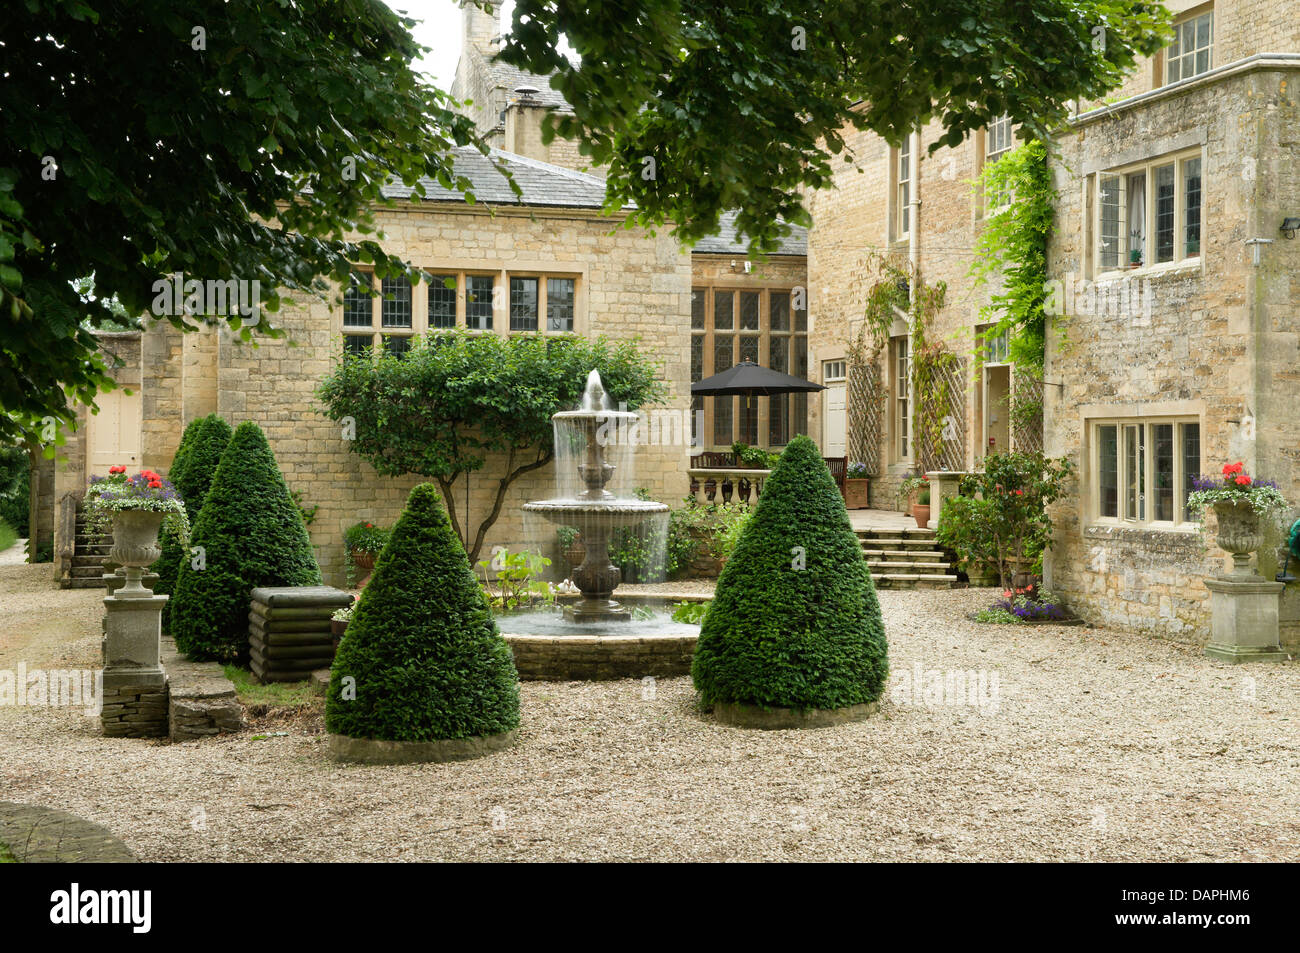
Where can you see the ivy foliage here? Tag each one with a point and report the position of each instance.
(251, 534)
(1013, 247)
(258, 137)
(422, 659)
(795, 622)
(742, 105)
(442, 408)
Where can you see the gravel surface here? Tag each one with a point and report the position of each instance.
(1099, 745)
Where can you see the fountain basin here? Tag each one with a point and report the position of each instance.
(609, 513)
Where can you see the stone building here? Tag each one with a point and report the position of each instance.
(1173, 345)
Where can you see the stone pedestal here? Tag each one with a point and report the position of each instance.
(1244, 619)
(943, 484)
(135, 685)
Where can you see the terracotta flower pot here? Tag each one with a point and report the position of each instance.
(1238, 533)
(856, 493)
(135, 547)
(921, 513)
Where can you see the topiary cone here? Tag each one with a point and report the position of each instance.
(422, 660)
(251, 534)
(795, 622)
(191, 473)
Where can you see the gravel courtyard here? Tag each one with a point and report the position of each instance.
(1099, 745)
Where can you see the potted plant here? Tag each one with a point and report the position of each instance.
(339, 623)
(135, 508)
(921, 508)
(856, 486)
(364, 542)
(1240, 503)
(909, 490)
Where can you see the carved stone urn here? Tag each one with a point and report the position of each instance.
(135, 548)
(1239, 533)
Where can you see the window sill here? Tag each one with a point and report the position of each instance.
(1104, 529)
(1187, 266)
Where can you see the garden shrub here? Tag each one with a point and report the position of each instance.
(15, 488)
(795, 622)
(191, 474)
(251, 534)
(422, 646)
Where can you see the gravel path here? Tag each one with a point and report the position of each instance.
(15, 555)
(1101, 746)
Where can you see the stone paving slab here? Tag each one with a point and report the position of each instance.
(43, 835)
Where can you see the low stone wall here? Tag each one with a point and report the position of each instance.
(585, 658)
(202, 701)
(134, 711)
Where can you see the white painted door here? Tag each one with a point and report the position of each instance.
(114, 432)
(834, 420)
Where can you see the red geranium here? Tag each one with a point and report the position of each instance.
(1231, 468)
(117, 469)
(1243, 480)
(1020, 492)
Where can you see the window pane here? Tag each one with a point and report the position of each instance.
(799, 368)
(1192, 208)
(1174, 71)
(723, 302)
(1203, 30)
(523, 304)
(749, 310)
(356, 303)
(722, 405)
(779, 307)
(697, 357)
(1163, 435)
(778, 353)
(1135, 472)
(559, 304)
(395, 309)
(1136, 218)
(748, 420)
(1108, 467)
(442, 301)
(1109, 206)
(778, 420)
(478, 302)
(801, 317)
(697, 308)
(749, 348)
(1165, 213)
(1202, 62)
(356, 343)
(1191, 449)
(397, 343)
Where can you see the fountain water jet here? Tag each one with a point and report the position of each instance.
(594, 512)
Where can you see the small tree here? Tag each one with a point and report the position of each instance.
(191, 473)
(1001, 515)
(440, 409)
(422, 659)
(251, 534)
(795, 622)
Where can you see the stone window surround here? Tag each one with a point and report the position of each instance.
(501, 272)
(1089, 415)
(1146, 165)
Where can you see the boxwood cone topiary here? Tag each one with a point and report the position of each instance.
(191, 473)
(422, 646)
(252, 534)
(795, 622)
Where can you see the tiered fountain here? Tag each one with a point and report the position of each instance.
(583, 435)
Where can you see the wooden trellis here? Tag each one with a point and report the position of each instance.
(864, 415)
(1027, 433)
(949, 453)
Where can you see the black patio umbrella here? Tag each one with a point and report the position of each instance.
(749, 379)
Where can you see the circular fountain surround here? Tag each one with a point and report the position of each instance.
(597, 637)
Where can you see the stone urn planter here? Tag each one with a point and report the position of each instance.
(575, 553)
(1239, 534)
(364, 563)
(135, 548)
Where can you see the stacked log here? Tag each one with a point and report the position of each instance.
(289, 630)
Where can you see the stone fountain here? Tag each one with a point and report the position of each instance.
(583, 439)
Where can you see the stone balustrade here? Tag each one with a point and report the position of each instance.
(724, 484)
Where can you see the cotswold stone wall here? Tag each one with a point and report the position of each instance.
(1219, 342)
(630, 285)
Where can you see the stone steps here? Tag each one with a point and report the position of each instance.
(906, 559)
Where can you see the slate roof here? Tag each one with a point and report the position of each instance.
(542, 184)
(725, 241)
(552, 186)
(511, 78)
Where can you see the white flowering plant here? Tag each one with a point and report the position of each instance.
(145, 490)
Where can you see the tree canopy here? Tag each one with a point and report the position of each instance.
(742, 105)
(219, 139)
(442, 407)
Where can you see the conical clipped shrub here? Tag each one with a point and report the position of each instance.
(251, 534)
(191, 473)
(422, 645)
(795, 622)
